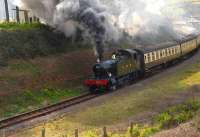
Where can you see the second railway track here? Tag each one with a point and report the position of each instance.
(45, 111)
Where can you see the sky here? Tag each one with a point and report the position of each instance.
(2, 9)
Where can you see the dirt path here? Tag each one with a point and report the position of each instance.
(184, 130)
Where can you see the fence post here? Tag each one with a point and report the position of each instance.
(3, 133)
(105, 132)
(131, 129)
(76, 133)
(17, 14)
(6, 10)
(43, 132)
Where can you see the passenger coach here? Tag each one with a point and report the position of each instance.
(128, 64)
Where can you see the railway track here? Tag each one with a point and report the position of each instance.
(64, 104)
(45, 111)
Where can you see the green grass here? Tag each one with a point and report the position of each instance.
(138, 101)
(134, 103)
(24, 67)
(171, 117)
(23, 26)
(29, 100)
(178, 114)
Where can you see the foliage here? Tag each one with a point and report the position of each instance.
(142, 131)
(173, 116)
(24, 67)
(21, 26)
(90, 134)
(178, 114)
(32, 40)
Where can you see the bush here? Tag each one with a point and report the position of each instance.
(142, 131)
(164, 120)
(30, 41)
(178, 114)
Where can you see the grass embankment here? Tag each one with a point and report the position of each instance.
(29, 84)
(30, 100)
(171, 117)
(154, 96)
(38, 67)
(26, 93)
(22, 26)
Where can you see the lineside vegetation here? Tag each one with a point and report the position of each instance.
(171, 117)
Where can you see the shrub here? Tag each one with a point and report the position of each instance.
(178, 114)
(34, 40)
(142, 131)
(164, 119)
(90, 134)
(182, 117)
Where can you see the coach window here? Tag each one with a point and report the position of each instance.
(145, 58)
(164, 53)
(178, 50)
(149, 57)
(173, 51)
(170, 51)
(157, 55)
(184, 45)
(153, 56)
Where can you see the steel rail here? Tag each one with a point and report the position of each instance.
(45, 110)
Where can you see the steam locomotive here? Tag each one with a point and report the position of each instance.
(128, 65)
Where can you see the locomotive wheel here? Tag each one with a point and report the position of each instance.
(113, 88)
(92, 90)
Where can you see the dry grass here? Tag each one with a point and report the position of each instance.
(23, 83)
(120, 108)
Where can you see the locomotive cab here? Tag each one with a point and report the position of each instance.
(122, 68)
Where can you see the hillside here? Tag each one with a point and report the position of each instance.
(160, 102)
(38, 67)
(33, 40)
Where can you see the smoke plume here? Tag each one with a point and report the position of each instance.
(101, 21)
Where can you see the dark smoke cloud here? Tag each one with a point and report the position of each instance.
(100, 21)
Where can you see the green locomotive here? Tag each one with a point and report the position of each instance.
(129, 64)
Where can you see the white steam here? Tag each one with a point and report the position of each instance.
(144, 21)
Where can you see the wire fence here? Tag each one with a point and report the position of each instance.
(12, 14)
(15, 14)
